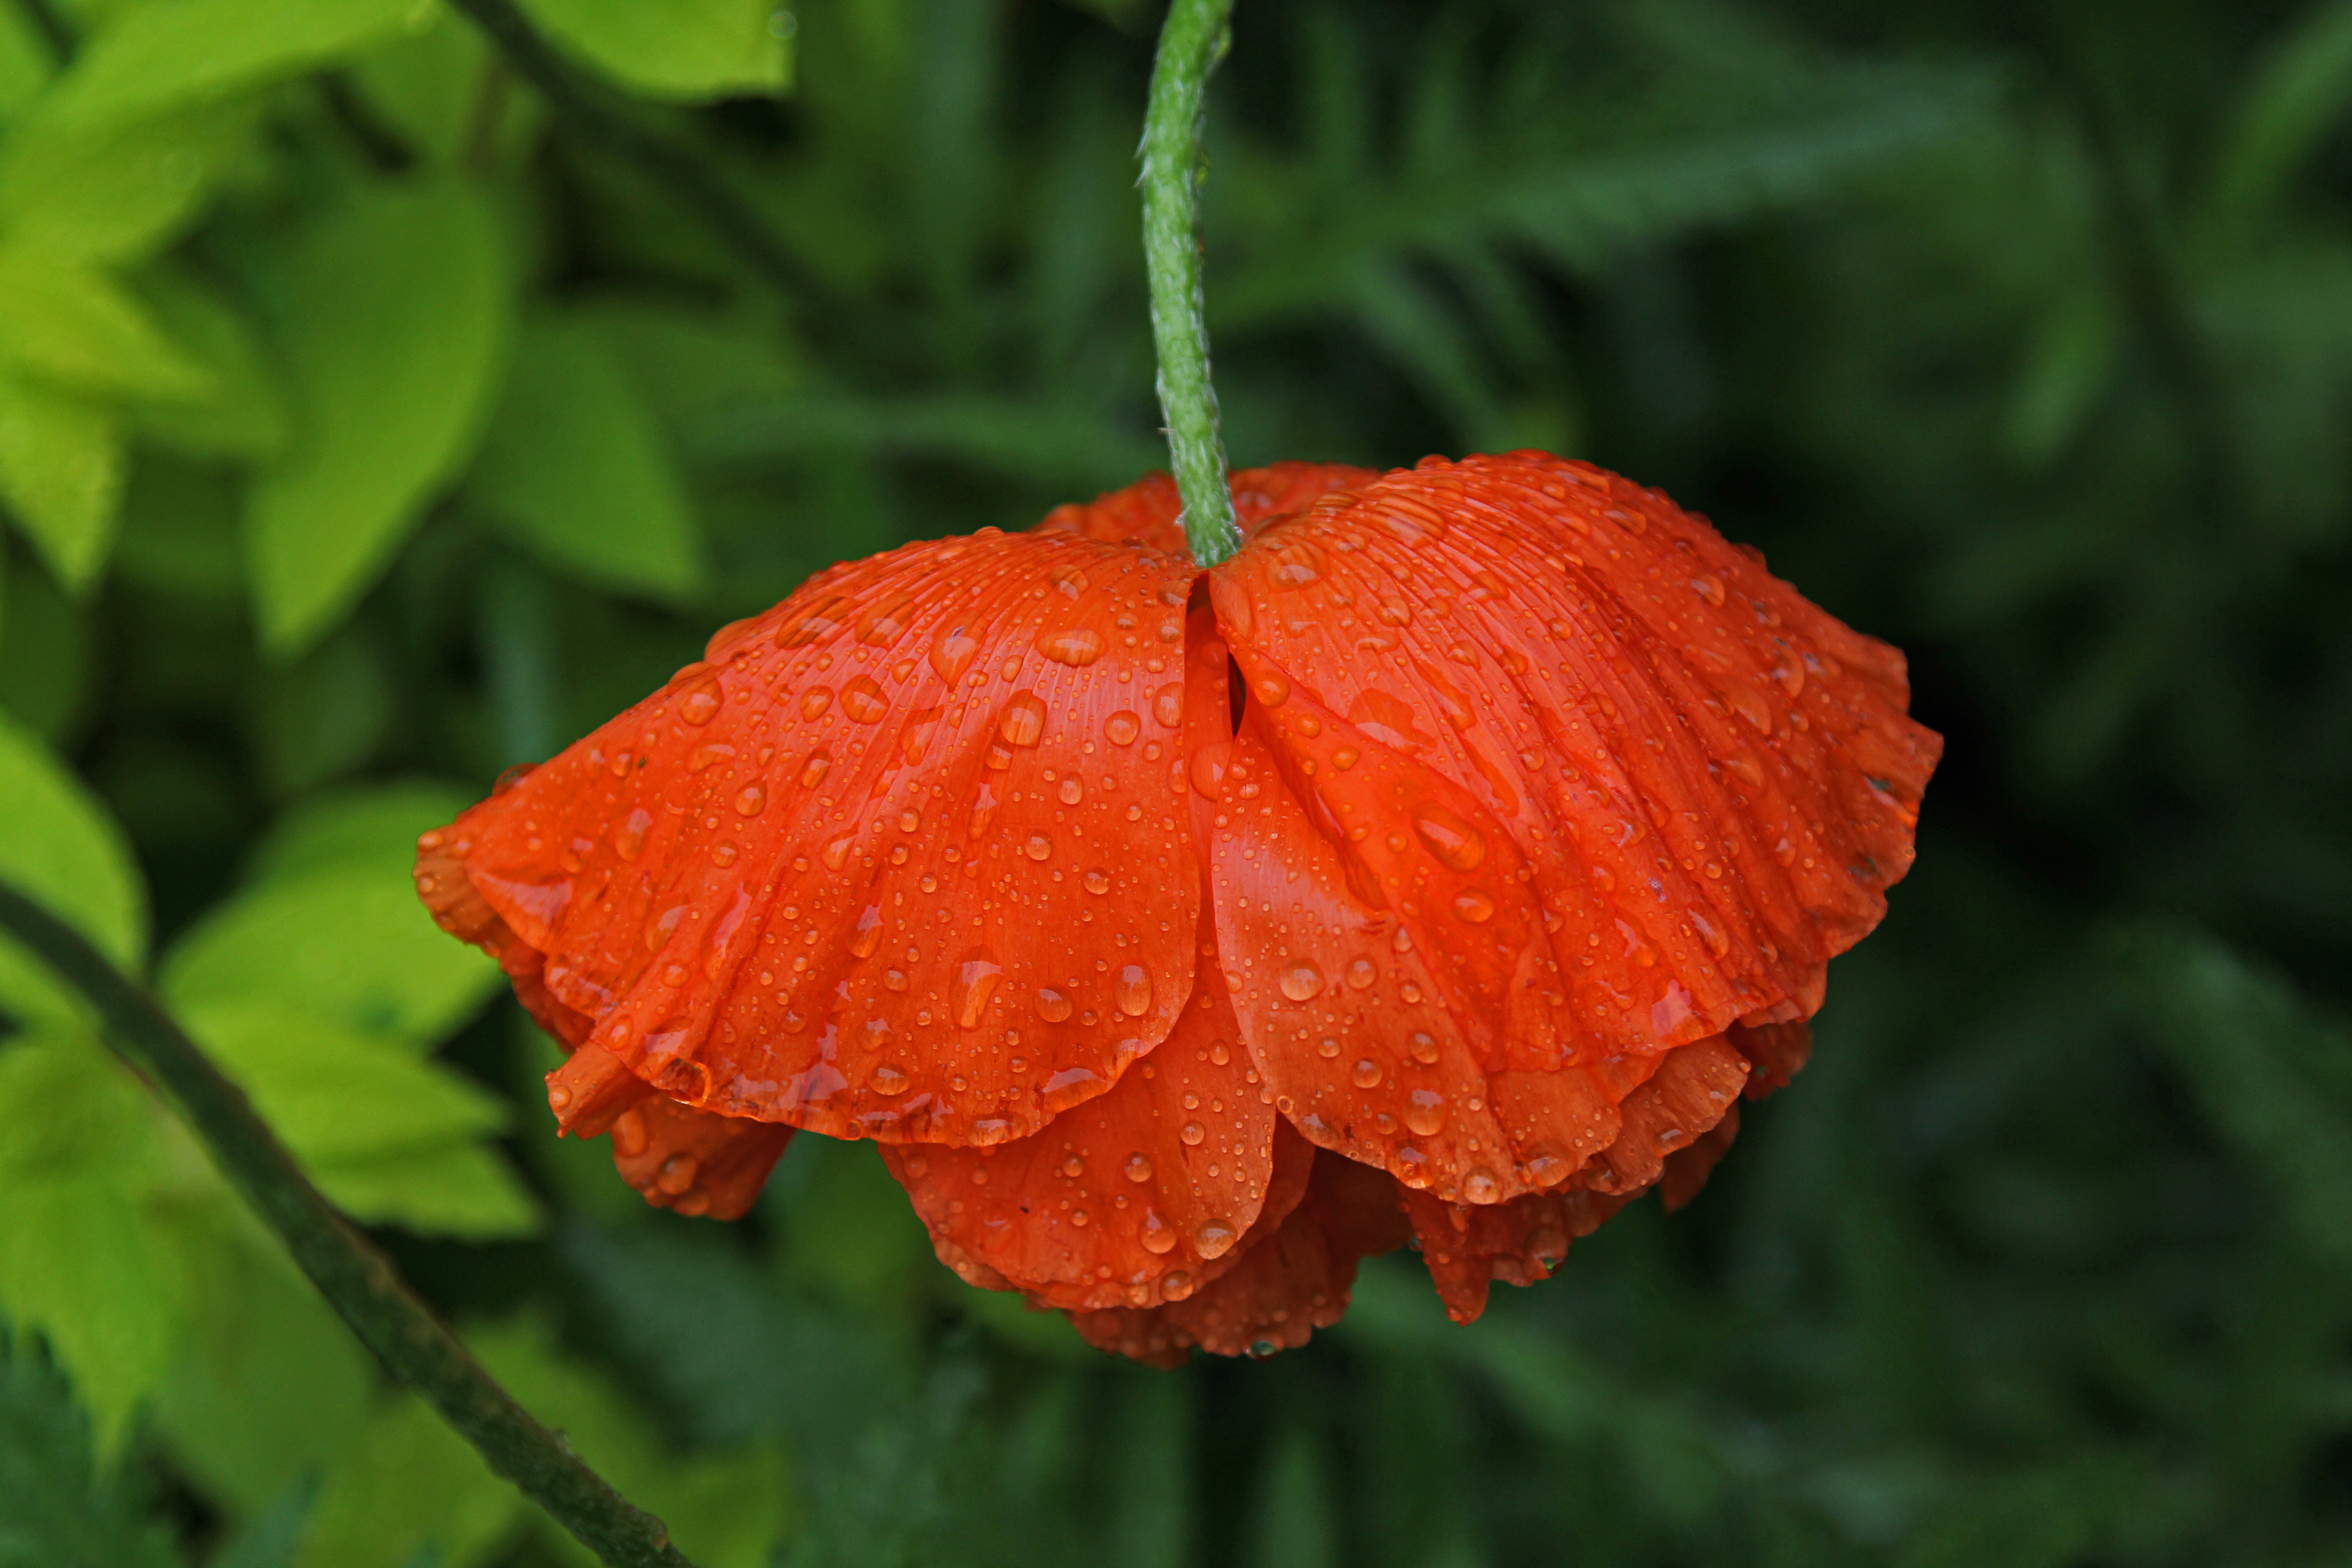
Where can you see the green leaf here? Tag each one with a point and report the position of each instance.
(375, 826)
(457, 1190)
(81, 1258)
(688, 49)
(241, 414)
(575, 468)
(428, 86)
(394, 330)
(352, 947)
(157, 57)
(125, 191)
(180, 529)
(26, 62)
(55, 1512)
(410, 1484)
(273, 1385)
(62, 849)
(2301, 90)
(338, 1098)
(44, 655)
(323, 715)
(61, 475)
(2274, 1080)
(73, 324)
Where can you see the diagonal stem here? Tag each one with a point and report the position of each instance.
(1191, 41)
(356, 1280)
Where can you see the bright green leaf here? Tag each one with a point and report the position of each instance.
(62, 849)
(60, 474)
(157, 57)
(686, 49)
(394, 330)
(428, 86)
(54, 1511)
(336, 1097)
(575, 466)
(242, 413)
(375, 826)
(73, 324)
(27, 63)
(457, 1190)
(353, 947)
(123, 192)
(411, 1483)
(81, 1257)
(180, 529)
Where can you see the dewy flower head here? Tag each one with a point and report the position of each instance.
(1448, 862)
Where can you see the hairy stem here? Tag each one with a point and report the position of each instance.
(1191, 41)
(356, 1280)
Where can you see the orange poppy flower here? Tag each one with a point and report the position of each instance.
(1446, 864)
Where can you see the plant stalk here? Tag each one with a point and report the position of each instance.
(1191, 42)
(356, 1279)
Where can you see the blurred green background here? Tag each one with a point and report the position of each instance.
(367, 426)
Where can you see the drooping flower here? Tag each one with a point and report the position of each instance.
(1447, 864)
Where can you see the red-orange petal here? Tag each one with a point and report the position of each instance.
(696, 1162)
(1289, 1282)
(1145, 513)
(903, 859)
(1508, 760)
(1138, 1196)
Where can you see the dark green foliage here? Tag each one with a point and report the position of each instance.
(2019, 335)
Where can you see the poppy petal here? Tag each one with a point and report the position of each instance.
(1147, 513)
(1293, 1281)
(1702, 783)
(696, 1162)
(1136, 1196)
(1520, 1242)
(901, 858)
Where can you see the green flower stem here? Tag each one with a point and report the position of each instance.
(1191, 41)
(356, 1280)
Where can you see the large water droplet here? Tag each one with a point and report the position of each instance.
(863, 700)
(699, 705)
(953, 649)
(1474, 906)
(1121, 728)
(1038, 847)
(1074, 646)
(983, 811)
(751, 799)
(1296, 562)
(975, 982)
(1072, 791)
(835, 854)
(1175, 1284)
(1451, 840)
(868, 934)
(1193, 1133)
(1424, 1111)
(1068, 579)
(1138, 1167)
(1023, 721)
(629, 838)
(1366, 1073)
(1300, 981)
(1168, 704)
(1215, 1237)
(816, 621)
(1272, 690)
(887, 621)
(1097, 882)
(1361, 972)
(1052, 1005)
(1156, 1234)
(1134, 991)
(813, 770)
(1479, 1185)
(888, 1080)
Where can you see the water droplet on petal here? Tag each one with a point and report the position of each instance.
(815, 700)
(1072, 791)
(1271, 690)
(1707, 588)
(886, 622)
(813, 770)
(1366, 1074)
(1077, 646)
(816, 621)
(867, 935)
(1301, 980)
(863, 700)
(1038, 847)
(1474, 906)
(1424, 1111)
(751, 799)
(887, 1080)
(1214, 1239)
(1097, 882)
(1138, 1167)
(1121, 728)
(1052, 1005)
(1134, 991)
(1361, 972)
(1168, 704)
(953, 649)
(837, 853)
(1451, 840)
(1175, 1284)
(1479, 1185)
(1023, 721)
(1193, 1132)
(1157, 1234)
(629, 838)
(699, 706)
(975, 982)
(983, 811)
